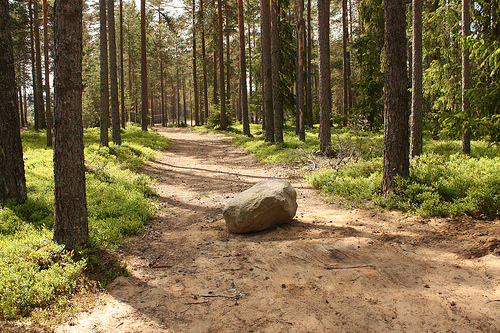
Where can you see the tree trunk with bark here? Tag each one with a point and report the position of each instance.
(70, 202)
(275, 72)
(396, 113)
(325, 92)
(122, 76)
(300, 69)
(48, 112)
(36, 105)
(144, 69)
(223, 124)
(310, 120)
(12, 178)
(103, 48)
(204, 114)
(416, 142)
(195, 74)
(113, 76)
(267, 82)
(243, 71)
(38, 63)
(466, 130)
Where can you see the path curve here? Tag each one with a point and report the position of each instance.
(331, 270)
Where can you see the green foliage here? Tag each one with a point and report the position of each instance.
(442, 186)
(213, 120)
(34, 271)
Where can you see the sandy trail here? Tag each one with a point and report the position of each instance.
(331, 270)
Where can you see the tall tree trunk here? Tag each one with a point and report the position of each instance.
(36, 102)
(38, 63)
(243, 71)
(250, 63)
(184, 110)
(204, 62)
(310, 120)
(228, 65)
(103, 47)
(12, 178)
(48, 112)
(195, 75)
(21, 108)
(113, 75)
(466, 130)
(267, 82)
(70, 201)
(346, 60)
(223, 124)
(216, 90)
(396, 115)
(300, 69)
(325, 92)
(178, 83)
(275, 72)
(122, 77)
(144, 69)
(163, 123)
(416, 142)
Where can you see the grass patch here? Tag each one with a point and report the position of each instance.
(34, 271)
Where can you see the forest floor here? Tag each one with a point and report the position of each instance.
(332, 269)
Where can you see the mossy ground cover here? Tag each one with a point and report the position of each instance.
(34, 271)
(442, 182)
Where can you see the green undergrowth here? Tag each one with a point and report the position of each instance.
(442, 182)
(34, 271)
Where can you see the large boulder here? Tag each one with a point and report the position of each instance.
(268, 203)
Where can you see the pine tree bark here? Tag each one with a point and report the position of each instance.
(310, 120)
(122, 76)
(275, 72)
(346, 60)
(267, 82)
(70, 202)
(243, 71)
(12, 178)
(48, 112)
(416, 142)
(38, 65)
(36, 102)
(300, 69)
(113, 76)
(396, 113)
(103, 59)
(195, 74)
(466, 130)
(223, 124)
(144, 69)
(325, 92)
(204, 115)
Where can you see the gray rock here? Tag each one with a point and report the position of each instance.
(268, 203)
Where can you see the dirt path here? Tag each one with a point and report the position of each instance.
(331, 270)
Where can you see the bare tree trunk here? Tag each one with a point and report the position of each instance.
(396, 115)
(325, 92)
(416, 142)
(122, 77)
(300, 69)
(466, 134)
(113, 75)
(216, 90)
(275, 72)
(48, 112)
(38, 62)
(243, 71)
(204, 115)
(223, 124)
(144, 68)
(310, 120)
(195, 75)
(12, 178)
(70, 202)
(184, 110)
(36, 102)
(267, 82)
(346, 60)
(162, 95)
(103, 35)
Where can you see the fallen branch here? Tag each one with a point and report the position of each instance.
(218, 295)
(334, 266)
